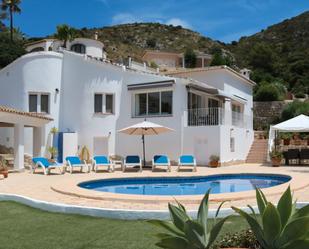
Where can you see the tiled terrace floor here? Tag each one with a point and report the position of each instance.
(41, 187)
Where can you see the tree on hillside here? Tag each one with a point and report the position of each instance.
(11, 6)
(190, 58)
(65, 33)
(262, 57)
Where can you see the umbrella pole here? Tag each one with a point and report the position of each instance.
(144, 158)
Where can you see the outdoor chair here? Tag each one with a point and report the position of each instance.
(132, 161)
(303, 155)
(102, 161)
(45, 165)
(186, 160)
(75, 162)
(161, 160)
(291, 155)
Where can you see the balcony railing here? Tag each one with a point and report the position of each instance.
(205, 116)
(217, 116)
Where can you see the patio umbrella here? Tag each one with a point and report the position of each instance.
(145, 128)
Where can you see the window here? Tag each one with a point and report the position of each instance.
(194, 101)
(104, 103)
(153, 103)
(39, 102)
(37, 49)
(237, 108)
(44, 103)
(78, 48)
(33, 103)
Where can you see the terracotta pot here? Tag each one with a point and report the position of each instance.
(5, 173)
(214, 164)
(275, 161)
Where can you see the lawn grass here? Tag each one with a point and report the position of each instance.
(23, 227)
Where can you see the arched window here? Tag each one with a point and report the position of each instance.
(78, 48)
(37, 49)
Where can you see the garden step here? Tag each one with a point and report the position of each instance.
(258, 151)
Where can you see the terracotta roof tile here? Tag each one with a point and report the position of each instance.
(23, 113)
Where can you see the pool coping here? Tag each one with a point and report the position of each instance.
(72, 189)
(123, 214)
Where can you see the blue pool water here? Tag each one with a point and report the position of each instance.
(226, 183)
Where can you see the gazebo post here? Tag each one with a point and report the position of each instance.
(144, 157)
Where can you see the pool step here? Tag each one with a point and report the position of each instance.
(258, 151)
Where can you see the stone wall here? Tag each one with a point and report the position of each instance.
(266, 113)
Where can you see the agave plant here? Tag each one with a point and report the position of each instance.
(281, 227)
(182, 232)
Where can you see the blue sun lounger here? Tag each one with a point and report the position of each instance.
(161, 160)
(132, 161)
(47, 166)
(75, 162)
(186, 160)
(102, 161)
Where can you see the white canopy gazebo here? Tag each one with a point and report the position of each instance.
(296, 124)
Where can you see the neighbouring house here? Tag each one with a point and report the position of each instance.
(170, 60)
(89, 100)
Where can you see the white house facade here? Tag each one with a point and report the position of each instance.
(209, 110)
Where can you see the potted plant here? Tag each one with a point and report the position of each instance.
(184, 232)
(214, 161)
(286, 138)
(3, 168)
(276, 158)
(53, 153)
(279, 227)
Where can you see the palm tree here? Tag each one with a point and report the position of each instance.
(65, 33)
(13, 7)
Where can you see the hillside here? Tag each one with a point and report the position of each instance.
(126, 40)
(279, 53)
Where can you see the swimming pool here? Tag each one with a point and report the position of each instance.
(223, 183)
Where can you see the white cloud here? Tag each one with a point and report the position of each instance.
(123, 18)
(177, 22)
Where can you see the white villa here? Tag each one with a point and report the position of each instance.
(89, 99)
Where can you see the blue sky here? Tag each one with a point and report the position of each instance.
(224, 20)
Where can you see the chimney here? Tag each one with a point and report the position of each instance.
(245, 72)
(96, 35)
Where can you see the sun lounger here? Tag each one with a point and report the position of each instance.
(45, 165)
(186, 160)
(75, 162)
(132, 161)
(161, 160)
(102, 161)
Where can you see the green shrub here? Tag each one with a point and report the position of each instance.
(268, 92)
(242, 239)
(294, 109)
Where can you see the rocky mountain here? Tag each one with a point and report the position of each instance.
(278, 53)
(132, 40)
